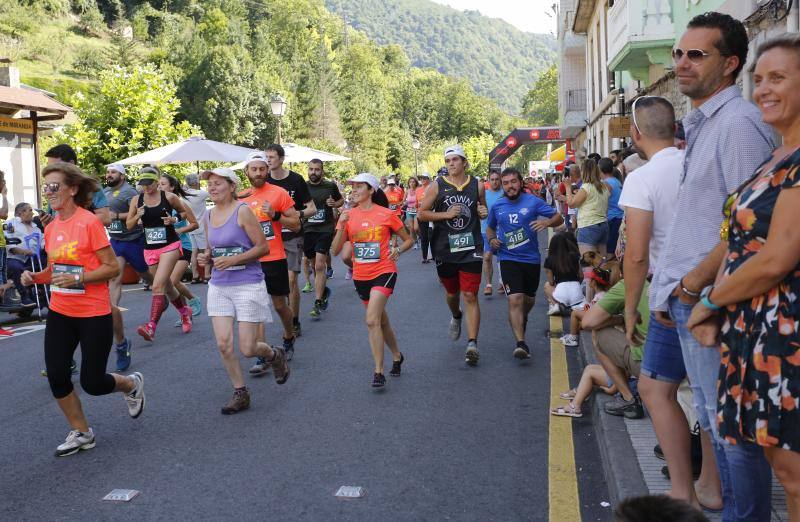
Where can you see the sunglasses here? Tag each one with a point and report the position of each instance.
(644, 100)
(51, 187)
(146, 182)
(696, 56)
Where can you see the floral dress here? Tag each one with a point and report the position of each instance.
(759, 378)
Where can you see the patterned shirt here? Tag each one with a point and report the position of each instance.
(725, 142)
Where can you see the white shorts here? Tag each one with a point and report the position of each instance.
(569, 294)
(198, 238)
(248, 303)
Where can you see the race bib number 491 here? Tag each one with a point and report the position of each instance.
(461, 242)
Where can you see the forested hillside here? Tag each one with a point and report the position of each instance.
(498, 60)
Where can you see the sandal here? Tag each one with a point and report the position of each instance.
(487, 290)
(566, 411)
(568, 395)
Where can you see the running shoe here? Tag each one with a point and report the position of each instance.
(186, 319)
(619, 407)
(325, 296)
(288, 347)
(554, 309)
(455, 328)
(416, 245)
(397, 366)
(147, 331)
(135, 399)
(378, 380)
(472, 355)
(316, 311)
(75, 442)
(73, 369)
(522, 352)
(280, 366)
(329, 273)
(196, 305)
(487, 290)
(298, 330)
(349, 275)
(124, 355)
(569, 340)
(308, 288)
(259, 368)
(239, 402)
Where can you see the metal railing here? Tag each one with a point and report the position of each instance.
(576, 100)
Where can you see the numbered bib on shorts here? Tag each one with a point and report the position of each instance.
(266, 228)
(116, 227)
(516, 238)
(369, 252)
(318, 217)
(461, 242)
(227, 252)
(155, 235)
(72, 270)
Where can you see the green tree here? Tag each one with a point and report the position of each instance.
(477, 149)
(133, 111)
(540, 105)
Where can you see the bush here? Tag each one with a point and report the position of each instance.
(89, 62)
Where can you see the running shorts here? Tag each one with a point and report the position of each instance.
(152, 256)
(520, 278)
(316, 243)
(248, 303)
(294, 254)
(276, 275)
(384, 283)
(464, 277)
(186, 255)
(132, 252)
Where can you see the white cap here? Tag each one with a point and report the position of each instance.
(425, 175)
(366, 177)
(455, 150)
(118, 167)
(391, 181)
(222, 172)
(255, 156)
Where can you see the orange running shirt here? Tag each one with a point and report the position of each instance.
(369, 232)
(396, 197)
(72, 246)
(280, 201)
(420, 195)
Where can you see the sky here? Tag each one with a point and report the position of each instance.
(527, 15)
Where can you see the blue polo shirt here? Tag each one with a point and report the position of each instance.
(512, 220)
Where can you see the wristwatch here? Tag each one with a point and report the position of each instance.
(706, 301)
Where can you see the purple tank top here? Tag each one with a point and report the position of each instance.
(230, 239)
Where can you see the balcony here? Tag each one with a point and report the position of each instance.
(576, 100)
(640, 34)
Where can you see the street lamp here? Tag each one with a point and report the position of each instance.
(278, 106)
(415, 146)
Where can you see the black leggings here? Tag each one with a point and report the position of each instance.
(61, 337)
(424, 237)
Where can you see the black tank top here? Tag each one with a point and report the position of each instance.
(156, 233)
(457, 240)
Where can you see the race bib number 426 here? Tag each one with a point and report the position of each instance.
(155, 235)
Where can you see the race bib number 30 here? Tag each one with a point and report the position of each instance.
(266, 228)
(516, 238)
(319, 217)
(367, 252)
(155, 235)
(227, 252)
(72, 270)
(461, 242)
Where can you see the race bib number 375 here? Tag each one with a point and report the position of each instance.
(368, 252)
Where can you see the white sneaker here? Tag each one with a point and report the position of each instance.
(75, 442)
(554, 309)
(455, 328)
(135, 399)
(471, 356)
(569, 340)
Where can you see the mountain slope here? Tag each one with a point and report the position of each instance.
(500, 61)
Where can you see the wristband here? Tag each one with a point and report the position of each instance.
(276, 216)
(687, 291)
(704, 298)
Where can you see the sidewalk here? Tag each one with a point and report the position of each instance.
(619, 438)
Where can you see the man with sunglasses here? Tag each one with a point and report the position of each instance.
(725, 142)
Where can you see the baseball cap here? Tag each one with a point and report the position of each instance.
(118, 167)
(391, 181)
(366, 177)
(455, 150)
(222, 172)
(255, 156)
(424, 175)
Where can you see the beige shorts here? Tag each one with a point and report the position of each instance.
(248, 303)
(613, 344)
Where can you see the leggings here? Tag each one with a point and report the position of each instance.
(424, 237)
(61, 337)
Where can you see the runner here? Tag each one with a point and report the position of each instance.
(369, 227)
(396, 196)
(423, 227)
(517, 218)
(296, 186)
(455, 204)
(275, 210)
(319, 230)
(197, 198)
(236, 290)
(81, 262)
(411, 210)
(162, 246)
(493, 193)
(128, 246)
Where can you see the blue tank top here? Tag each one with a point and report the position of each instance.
(231, 239)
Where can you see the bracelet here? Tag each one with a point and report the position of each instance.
(704, 298)
(687, 291)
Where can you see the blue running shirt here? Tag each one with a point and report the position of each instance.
(512, 220)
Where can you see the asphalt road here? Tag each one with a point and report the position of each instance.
(443, 441)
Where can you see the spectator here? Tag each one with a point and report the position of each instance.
(591, 200)
(20, 257)
(563, 271)
(99, 206)
(593, 375)
(614, 214)
(571, 182)
(599, 283)
(757, 291)
(197, 198)
(726, 141)
(594, 157)
(656, 508)
(614, 156)
(5, 284)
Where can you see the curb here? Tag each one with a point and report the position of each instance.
(620, 466)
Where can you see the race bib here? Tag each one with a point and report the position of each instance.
(411, 211)
(369, 252)
(266, 228)
(155, 235)
(392, 207)
(319, 217)
(227, 252)
(72, 270)
(516, 238)
(116, 227)
(461, 242)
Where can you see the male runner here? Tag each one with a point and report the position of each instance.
(493, 193)
(456, 204)
(275, 210)
(128, 247)
(511, 230)
(319, 230)
(296, 186)
(424, 226)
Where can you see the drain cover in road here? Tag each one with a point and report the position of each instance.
(351, 492)
(121, 495)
